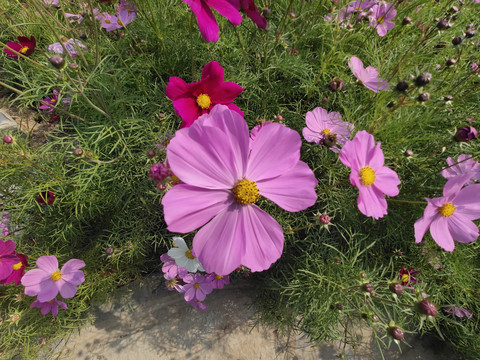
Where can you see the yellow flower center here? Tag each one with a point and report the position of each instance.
(196, 286)
(380, 20)
(53, 100)
(204, 101)
(218, 277)
(405, 278)
(175, 180)
(446, 209)
(17, 266)
(326, 131)
(171, 283)
(358, 9)
(23, 50)
(367, 175)
(246, 192)
(119, 22)
(189, 255)
(57, 275)
(107, 21)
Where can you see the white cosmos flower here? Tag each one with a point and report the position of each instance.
(183, 256)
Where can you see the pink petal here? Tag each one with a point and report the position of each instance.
(371, 203)
(67, 290)
(256, 17)
(311, 136)
(187, 109)
(468, 201)
(387, 181)
(357, 152)
(226, 10)
(47, 263)
(176, 88)
(421, 225)
(356, 65)
(225, 93)
(453, 185)
(206, 21)
(46, 308)
(74, 277)
(292, 191)
(275, 151)
(187, 207)
(462, 229)
(7, 247)
(316, 119)
(200, 294)
(376, 160)
(34, 277)
(190, 293)
(72, 265)
(235, 108)
(441, 234)
(48, 291)
(54, 309)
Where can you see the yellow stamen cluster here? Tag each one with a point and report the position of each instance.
(326, 131)
(447, 209)
(218, 277)
(24, 50)
(108, 21)
(196, 286)
(367, 175)
(57, 275)
(189, 255)
(380, 20)
(246, 192)
(17, 266)
(405, 278)
(204, 101)
(119, 22)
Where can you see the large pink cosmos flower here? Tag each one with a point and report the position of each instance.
(8, 259)
(368, 77)
(47, 280)
(25, 46)
(380, 17)
(194, 99)
(223, 178)
(323, 125)
(450, 217)
(369, 175)
(206, 21)
(464, 165)
(251, 10)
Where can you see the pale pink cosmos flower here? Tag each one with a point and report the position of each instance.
(197, 305)
(359, 6)
(196, 287)
(380, 16)
(223, 179)
(110, 22)
(47, 281)
(464, 165)
(368, 77)
(450, 216)
(326, 128)
(49, 306)
(459, 312)
(373, 179)
(218, 281)
(206, 20)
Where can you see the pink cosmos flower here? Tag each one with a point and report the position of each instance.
(71, 46)
(450, 216)
(194, 99)
(49, 306)
(218, 281)
(476, 66)
(18, 270)
(206, 21)
(358, 6)
(51, 2)
(197, 305)
(223, 179)
(326, 128)
(25, 46)
(368, 77)
(47, 281)
(464, 165)
(251, 10)
(368, 174)
(170, 268)
(50, 102)
(458, 311)
(380, 17)
(196, 287)
(110, 22)
(8, 259)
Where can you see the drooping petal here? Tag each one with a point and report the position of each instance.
(47, 263)
(453, 185)
(187, 207)
(67, 290)
(292, 191)
(441, 234)
(387, 181)
(275, 151)
(48, 291)
(206, 21)
(226, 10)
(371, 203)
(72, 265)
(462, 229)
(421, 225)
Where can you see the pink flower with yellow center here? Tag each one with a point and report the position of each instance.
(8, 259)
(218, 281)
(450, 216)
(25, 46)
(373, 180)
(195, 99)
(49, 306)
(196, 287)
(18, 270)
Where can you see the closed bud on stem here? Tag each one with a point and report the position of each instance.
(427, 308)
(78, 152)
(424, 97)
(406, 20)
(396, 288)
(57, 61)
(396, 333)
(7, 139)
(451, 62)
(368, 288)
(423, 79)
(402, 85)
(457, 40)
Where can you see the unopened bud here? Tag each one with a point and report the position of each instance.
(78, 152)
(7, 139)
(408, 153)
(448, 98)
(443, 24)
(57, 61)
(396, 333)
(451, 62)
(324, 219)
(424, 97)
(109, 250)
(151, 153)
(402, 85)
(73, 66)
(457, 40)
(406, 20)
(396, 288)
(470, 33)
(427, 308)
(423, 79)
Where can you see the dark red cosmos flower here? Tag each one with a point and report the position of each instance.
(24, 46)
(406, 275)
(18, 270)
(46, 198)
(195, 99)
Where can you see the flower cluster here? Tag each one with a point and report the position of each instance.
(126, 13)
(71, 45)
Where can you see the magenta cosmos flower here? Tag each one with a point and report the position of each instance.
(380, 17)
(194, 99)
(223, 179)
(206, 21)
(25, 46)
(368, 174)
(251, 11)
(47, 281)
(368, 77)
(50, 102)
(8, 259)
(464, 165)
(18, 270)
(326, 128)
(450, 217)
(196, 287)
(406, 275)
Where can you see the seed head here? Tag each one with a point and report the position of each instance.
(109, 250)
(443, 24)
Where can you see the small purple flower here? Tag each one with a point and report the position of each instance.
(109, 22)
(196, 287)
(170, 269)
(173, 284)
(457, 311)
(360, 7)
(74, 18)
(197, 305)
(464, 164)
(218, 281)
(72, 45)
(49, 306)
(380, 17)
(50, 102)
(467, 133)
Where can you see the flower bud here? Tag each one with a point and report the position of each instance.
(292, 15)
(457, 40)
(266, 12)
(427, 308)
(324, 219)
(470, 33)
(406, 20)
(424, 97)
(466, 134)
(448, 98)
(339, 306)
(325, 100)
(368, 288)
(396, 288)
(73, 66)
(336, 84)
(78, 152)
(402, 85)
(151, 153)
(451, 62)
(407, 153)
(57, 61)
(391, 104)
(7, 139)
(443, 24)
(109, 250)
(423, 79)
(396, 333)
